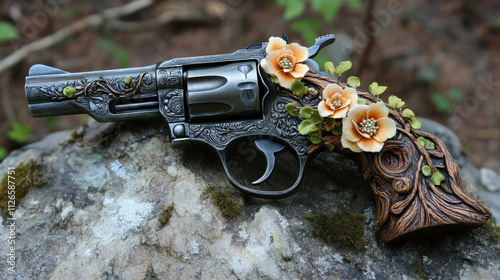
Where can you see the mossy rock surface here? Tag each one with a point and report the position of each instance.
(105, 213)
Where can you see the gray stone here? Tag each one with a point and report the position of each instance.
(97, 218)
(490, 179)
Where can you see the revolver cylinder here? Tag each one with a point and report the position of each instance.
(229, 91)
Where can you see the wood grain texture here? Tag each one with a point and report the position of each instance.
(409, 205)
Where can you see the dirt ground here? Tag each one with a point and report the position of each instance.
(446, 51)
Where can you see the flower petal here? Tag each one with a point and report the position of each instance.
(299, 70)
(377, 110)
(353, 146)
(344, 102)
(340, 113)
(324, 110)
(271, 63)
(300, 52)
(351, 94)
(370, 145)
(357, 113)
(275, 43)
(349, 130)
(331, 89)
(286, 79)
(386, 129)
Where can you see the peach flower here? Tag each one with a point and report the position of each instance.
(284, 61)
(367, 127)
(337, 101)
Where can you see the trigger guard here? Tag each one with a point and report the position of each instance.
(265, 194)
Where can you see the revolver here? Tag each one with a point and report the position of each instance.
(223, 100)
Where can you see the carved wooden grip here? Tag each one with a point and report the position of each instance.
(409, 204)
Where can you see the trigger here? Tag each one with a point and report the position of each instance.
(269, 148)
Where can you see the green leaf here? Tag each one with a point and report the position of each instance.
(329, 146)
(395, 102)
(19, 132)
(427, 144)
(329, 123)
(118, 54)
(353, 82)
(426, 170)
(292, 108)
(307, 126)
(306, 112)
(415, 124)
(381, 89)
(315, 137)
(343, 67)
(69, 91)
(330, 68)
(317, 118)
(337, 129)
(440, 102)
(328, 8)
(437, 178)
(362, 101)
(7, 32)
(275, 80)
(407, 113)
(375, 89)
(127, 80)
(293, 8)
(3, 153)
(298, 88)
(308, 29)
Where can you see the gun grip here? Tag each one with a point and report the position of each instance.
(409, 203)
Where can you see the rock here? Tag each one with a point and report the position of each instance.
(97, 218)
(490, 179)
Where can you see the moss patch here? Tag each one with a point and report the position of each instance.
(419, 272)
(492, 231)
(342, 229)
(225, 201)
(165, 216)
(26, 176)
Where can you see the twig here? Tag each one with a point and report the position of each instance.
(176, 11)
(92, 21)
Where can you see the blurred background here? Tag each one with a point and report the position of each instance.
(441, 57)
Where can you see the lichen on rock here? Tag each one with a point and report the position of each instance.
(97, 218)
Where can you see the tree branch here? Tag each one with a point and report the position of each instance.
(92, 21)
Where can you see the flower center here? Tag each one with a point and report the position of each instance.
(285, 63)
(369, 126)
(337, 103)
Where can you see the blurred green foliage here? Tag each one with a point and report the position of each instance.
(309, 27)
(444, 102)
(67, 14)
(428, 74)
(3, 153)
(119, 55)
(7, 32)
(51, 121)
(19, 132)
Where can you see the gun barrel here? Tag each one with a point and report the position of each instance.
(109, 95)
